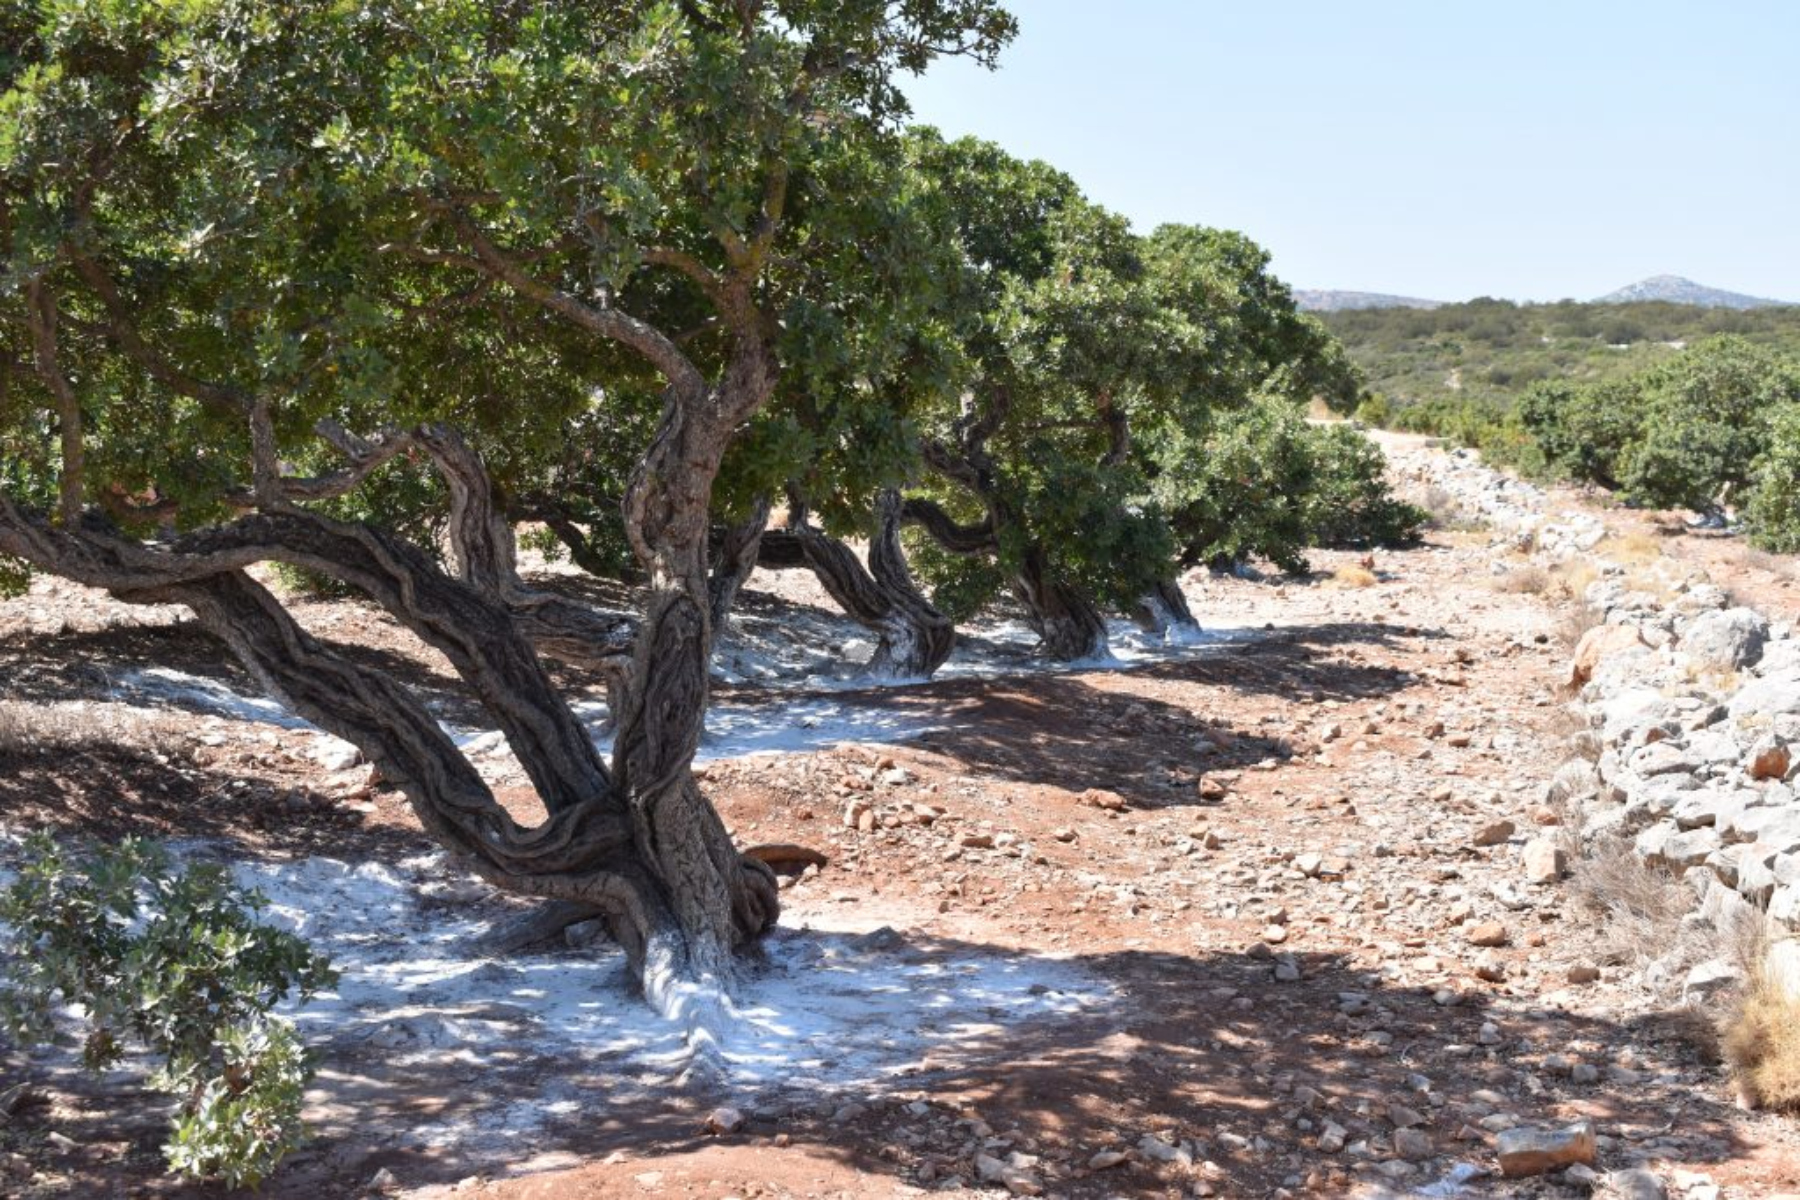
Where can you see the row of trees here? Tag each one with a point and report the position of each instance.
(344, 288)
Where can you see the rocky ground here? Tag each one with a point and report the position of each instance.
(1324, 927)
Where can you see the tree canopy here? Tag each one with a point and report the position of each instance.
(257, 254)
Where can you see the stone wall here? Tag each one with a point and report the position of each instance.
(1692, 702)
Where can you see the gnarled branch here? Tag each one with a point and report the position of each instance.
(946, 531)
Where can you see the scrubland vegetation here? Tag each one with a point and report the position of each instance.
(1668, 406)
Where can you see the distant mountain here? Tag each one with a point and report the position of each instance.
(1327, 301)
(1676, 290)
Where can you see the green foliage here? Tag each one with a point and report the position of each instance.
(1107, 543)
(1063, 351)
(1240, 488)
(1582, 432)
(961, 584)
(176, 963)
(1350, 502)
(1704, 421)
(1685, 433)
(1487, 353)
(1103, 363)
(1773, 513)
(282, 197)
(15, 577)
(1263, 482)
(1374, 410)
(239, 1123)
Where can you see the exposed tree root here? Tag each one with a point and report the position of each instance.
(780, 856)
(1164, 611)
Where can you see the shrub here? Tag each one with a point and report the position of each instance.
(1242, 491)
(1375, 410)
(1350, 503)
(15, 577)
(1581, 432)
(176, 963)
(1762, 1044)
(1773, 513)
(1705, 422)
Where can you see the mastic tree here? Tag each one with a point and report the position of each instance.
(1685, 433)
(1582, 430)
(839, 438)
(1233, 464)
(1773, 513)
(257, 253)
(1704, 422)
(1067, 348)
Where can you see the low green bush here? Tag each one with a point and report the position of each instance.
(1266, 483)
(175, 963)
(1350, 503)
(1773, 513)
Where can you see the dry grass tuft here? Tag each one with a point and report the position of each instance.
(36, 728)
(1574, 624)
(1631, 549)
(1637, 908)
(1574, 575)
(1446, 514)
(1774, 564)
(1441, 505)
(1566, 723)
(1352, 576)
(1721, 680)
(1762, 1044)
(1530, 581)
(1652, 582)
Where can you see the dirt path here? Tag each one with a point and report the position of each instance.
(1325, 968)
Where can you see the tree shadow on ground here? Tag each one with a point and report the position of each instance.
(91, 663)
(1205, 1049)
(1109, 729)
(105, 791)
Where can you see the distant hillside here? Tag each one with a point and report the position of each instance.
(1328, 301)
(1676, 290)
(1486, 352)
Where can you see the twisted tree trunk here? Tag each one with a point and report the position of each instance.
(1164, 611)
(913, 637)
(716, 898)
(638, 845)
(1068, 625)
(732, 564)
(485, 551)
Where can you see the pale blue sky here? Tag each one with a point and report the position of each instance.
(1445, 150)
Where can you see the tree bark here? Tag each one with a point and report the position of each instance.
(1164, 611)
(913, 638)
(1068, 625)
(946, 532)
(42, 319)
(717, 899)
(639, 845)
(736, 558)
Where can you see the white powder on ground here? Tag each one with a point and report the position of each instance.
(829, 1009)
(739, 727)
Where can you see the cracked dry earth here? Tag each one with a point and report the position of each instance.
(1279, 853)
